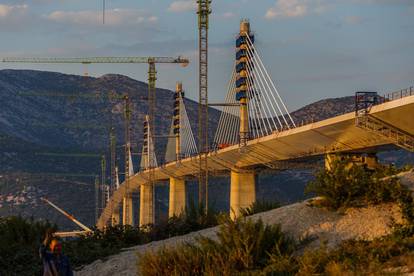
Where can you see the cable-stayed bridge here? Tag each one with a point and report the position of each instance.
(256, 131)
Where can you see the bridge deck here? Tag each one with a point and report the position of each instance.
(337, 134)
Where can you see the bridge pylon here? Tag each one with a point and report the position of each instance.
(177, 194)
(148, 162)
(242, 59)
(243, 183)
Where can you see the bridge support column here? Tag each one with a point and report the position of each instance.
(115, 218)
(177, 197)
(242, 191)
(127, 211)
(369, 160)
(146, 205)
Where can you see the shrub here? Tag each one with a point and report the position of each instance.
(354, 257)
(258, 207)
(341, 186)
(353, 185)
(241, 246)
(99, 244)
(194, 218)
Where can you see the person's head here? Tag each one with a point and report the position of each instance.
(55, 246)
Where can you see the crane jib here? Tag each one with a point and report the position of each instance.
(90, 60)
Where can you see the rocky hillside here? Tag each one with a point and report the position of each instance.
(324, 109)
(68, 111)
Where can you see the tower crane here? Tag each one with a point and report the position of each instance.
(204, 10)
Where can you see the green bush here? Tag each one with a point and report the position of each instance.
(242, 246)
(99, 244)
(20, 241)
(353, 185)
(194, 218)
(360, 257)
(343, 185)
(259, 207)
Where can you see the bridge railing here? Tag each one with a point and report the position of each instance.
(399, 94)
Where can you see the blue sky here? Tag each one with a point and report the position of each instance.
(313, 49)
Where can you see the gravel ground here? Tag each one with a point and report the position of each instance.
(299, 220)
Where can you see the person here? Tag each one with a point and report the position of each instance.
(55, 263)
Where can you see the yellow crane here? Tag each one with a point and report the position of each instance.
(99, 60)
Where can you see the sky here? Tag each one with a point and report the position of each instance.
(313, 49)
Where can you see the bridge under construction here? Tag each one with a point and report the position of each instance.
(255, 132)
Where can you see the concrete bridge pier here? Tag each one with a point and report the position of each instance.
(177, 197)
(242, 191)
(127, 211)
(115, 217)
(146, 205)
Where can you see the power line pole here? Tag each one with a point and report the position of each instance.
(203, 12)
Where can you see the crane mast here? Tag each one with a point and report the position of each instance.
(126, 207)
(96, 199)
(112, 149)
(203, 12)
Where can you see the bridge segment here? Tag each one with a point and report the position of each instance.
(339, 134)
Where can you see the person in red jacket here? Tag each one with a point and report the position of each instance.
(55, 263)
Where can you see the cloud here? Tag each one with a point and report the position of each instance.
(182, 6)
(113, 17)
(16, 18)
(294, 8)
(228, 15)
(353, 19)
(392, 2)
(287, 8)
(11, 11)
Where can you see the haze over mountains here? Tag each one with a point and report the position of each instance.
(46, 115)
